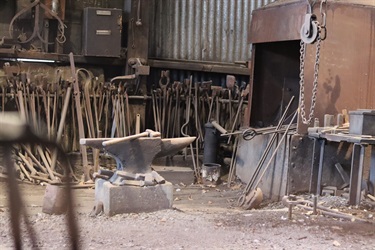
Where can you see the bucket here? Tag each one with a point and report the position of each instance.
(211, 173)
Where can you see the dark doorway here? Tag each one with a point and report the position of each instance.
(276, 80)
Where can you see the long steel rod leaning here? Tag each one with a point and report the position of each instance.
(268, 148)
(275, 151)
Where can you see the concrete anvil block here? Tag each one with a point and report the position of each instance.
(54, 201)
(132, 199)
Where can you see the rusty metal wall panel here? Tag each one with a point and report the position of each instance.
(284, 25)
(347, 62)
(202, 30)
(299, 171)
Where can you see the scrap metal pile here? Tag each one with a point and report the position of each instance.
(98, 109)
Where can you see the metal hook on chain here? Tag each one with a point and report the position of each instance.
(311, 31)
(323, 29)
(323, 13)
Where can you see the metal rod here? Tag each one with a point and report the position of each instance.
(268, 148)
(218, 127)
(81, 130)
(61, 125)
(320, 172)
(275, 151)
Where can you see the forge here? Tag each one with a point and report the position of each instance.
(134, 187)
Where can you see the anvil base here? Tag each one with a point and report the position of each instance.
(132, 199)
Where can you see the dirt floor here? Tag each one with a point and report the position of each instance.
(201, 218)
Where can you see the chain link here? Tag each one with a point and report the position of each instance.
(319, 38)
(302, 81)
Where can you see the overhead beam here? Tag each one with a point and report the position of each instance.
(214, 67)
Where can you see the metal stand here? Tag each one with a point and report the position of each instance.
(358, 155)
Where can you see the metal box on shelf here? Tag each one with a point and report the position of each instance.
(362, 122)
(102, 32)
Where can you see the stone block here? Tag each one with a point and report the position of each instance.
(132, 199)
(54, 201)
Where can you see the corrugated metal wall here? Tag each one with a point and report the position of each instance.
(202, 30)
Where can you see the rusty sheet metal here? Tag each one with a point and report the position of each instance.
(299, 170)
(284, 25)
(347, 62)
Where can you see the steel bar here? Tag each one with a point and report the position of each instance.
(61, 125)
(233, 162)
(154, 111)
(268, 148)
(54, 112)
(48, 114)
(320, 171)
(332, 213)
(45, 162)
(372, 172)
(3, 99)
(138, 124)
(123, 120)
(86, 95)
(356, 174)
(275, 150)
(81, 130)
(219, 127)
(127, 112)
(314, 167)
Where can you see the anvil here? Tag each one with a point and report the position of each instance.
(135, 153)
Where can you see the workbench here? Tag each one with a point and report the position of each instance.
(321, 136)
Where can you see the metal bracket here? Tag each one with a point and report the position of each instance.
(138, 64)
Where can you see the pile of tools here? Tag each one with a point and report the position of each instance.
(183, 108)
(41, 95)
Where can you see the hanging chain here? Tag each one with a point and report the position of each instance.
(305, 119)
(302, 82)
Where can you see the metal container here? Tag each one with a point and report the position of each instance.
(211, 143)
(362, 122)
(102, 32)
(211, 173)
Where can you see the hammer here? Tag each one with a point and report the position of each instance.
(147, 133)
